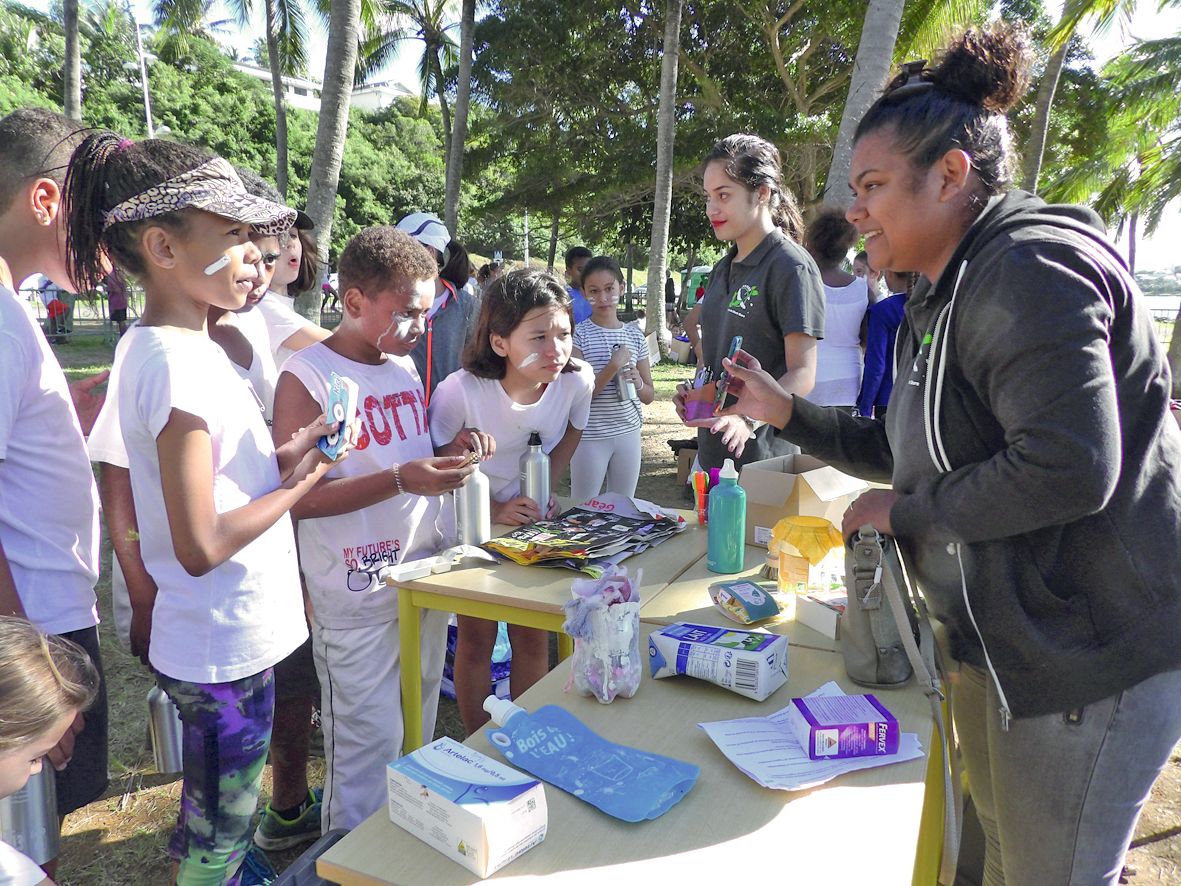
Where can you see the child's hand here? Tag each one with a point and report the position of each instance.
(434, 476)
(552, 510)
(679, 401)
(474, 440)
(62, 752)
(620, 357)
(516, 511)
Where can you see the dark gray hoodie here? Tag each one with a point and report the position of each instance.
(1029, 432)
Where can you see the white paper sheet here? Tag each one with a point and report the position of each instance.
(766, 750)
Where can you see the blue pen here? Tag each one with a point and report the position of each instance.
(724, 378)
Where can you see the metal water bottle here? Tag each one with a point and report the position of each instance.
(165, 729)
(28, 818)
(623, 383)
(535, 473)
(473, 512)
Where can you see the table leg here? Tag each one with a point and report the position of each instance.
(929, 851)
(410, 641)
(565, 646)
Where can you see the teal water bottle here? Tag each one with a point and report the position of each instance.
(727, 522)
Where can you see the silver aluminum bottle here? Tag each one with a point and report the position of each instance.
(623, 384)
(28, 818)
(535, 473)
(473, 511)
(164, 727)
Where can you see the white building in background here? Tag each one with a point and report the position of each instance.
(302, 93)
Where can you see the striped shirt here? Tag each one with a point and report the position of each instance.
(609, 416)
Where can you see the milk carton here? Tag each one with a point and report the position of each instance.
(749, 663)
(473, 809)
(836, 726)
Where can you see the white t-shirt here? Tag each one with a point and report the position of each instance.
(262, 373)
(246, 614)
(282, 322)
(838, 354)
(48, 499)
(17, 869)
(341, 555)
(463, 400)
(610, 416)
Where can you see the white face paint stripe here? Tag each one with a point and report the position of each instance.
(215, 266)
(399, 327)
(529, 360)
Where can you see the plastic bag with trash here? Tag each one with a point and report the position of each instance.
(604, 619)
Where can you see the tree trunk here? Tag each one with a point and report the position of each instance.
(339, 65)
(553, 241)
(875, 52)
(1041, 118)
(72, 87)
(441, 94)
(467, 24)
(280, 105)
(1133, 224)
(662, 205)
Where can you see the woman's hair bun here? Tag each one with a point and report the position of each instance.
(990, 68)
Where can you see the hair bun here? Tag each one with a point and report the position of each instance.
(990, 68)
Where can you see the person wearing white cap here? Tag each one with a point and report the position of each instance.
(452, 318)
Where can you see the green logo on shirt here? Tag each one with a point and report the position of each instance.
(742, 299)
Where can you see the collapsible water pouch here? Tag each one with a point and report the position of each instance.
(604, 620)
(557, 747)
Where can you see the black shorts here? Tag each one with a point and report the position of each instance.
(118, 315)
(295, 676)
(85, 779)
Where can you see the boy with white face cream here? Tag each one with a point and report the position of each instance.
(377, 508)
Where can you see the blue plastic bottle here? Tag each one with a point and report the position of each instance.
(558, 748)
(727, 522)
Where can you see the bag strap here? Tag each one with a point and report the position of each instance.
(927, 664)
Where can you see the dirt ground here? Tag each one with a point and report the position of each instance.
(120, 838)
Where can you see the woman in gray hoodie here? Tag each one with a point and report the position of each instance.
(1035, 470)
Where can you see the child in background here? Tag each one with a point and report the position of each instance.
(378, 508)
(518, 378)
(211, 492)
(617, 352)
(45, 683)
(295, 272)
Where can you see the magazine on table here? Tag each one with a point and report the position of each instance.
(590, 537)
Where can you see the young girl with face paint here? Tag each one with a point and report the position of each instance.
(378, 508)
(211, 491)
(618, 354)
(296, 270)
(45, 682)
(518, 378)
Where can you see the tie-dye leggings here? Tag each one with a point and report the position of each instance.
(227, 731)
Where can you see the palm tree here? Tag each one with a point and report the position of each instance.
(344, 25)
(425, 20)
(662, 204)
(73, 62)
(178, 21)
(467, 25)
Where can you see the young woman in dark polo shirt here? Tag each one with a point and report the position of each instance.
(766, 289)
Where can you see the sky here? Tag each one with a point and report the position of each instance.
(1158, 252)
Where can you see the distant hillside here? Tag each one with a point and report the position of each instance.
(1160, 282)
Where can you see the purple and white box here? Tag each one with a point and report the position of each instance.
(838, 726)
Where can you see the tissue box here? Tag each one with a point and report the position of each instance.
(839, 726)
(794, 484)
(746, 662)
(475, 810)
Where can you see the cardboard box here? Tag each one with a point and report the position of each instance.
(798, 574)
(679, 350)
(793, 484)
(685, 456)
(821, 611)
(832, 727)
(475, 810)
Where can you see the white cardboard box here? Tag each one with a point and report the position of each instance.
(475, 810)
(794, 484)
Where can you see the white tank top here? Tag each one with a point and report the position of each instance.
(838, 354)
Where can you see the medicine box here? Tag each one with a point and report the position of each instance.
(747, 662)
(793, 484)
(839, 726)
(821, 611)
(475, 810)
